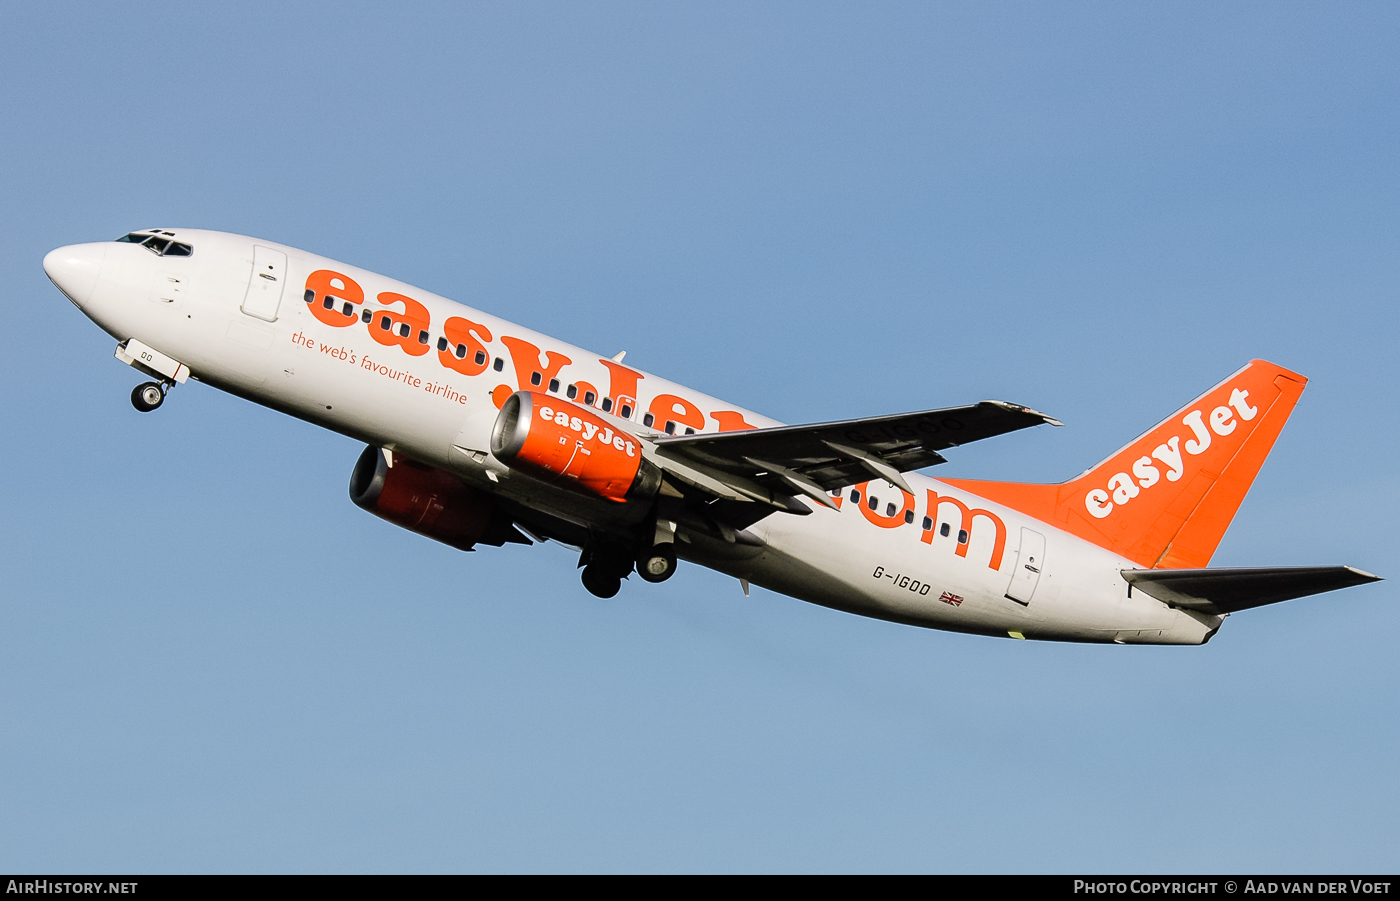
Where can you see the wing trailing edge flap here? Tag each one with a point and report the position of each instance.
(1228, 590)
(775, 465)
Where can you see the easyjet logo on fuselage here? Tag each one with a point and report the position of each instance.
(463, 347)
(338, 301)
(932, 528)
(1172, 454)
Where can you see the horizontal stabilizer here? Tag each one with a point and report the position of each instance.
(1225, 590)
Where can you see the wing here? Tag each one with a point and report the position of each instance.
(815, 459)
(1229, 590)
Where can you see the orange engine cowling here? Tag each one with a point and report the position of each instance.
(566, 444)
(428, 501)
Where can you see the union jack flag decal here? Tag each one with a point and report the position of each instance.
(948, 597)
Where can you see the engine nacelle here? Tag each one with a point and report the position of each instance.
(428, 501)
(565, 444)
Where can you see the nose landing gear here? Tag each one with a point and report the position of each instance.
(154, 364)
(148, 395)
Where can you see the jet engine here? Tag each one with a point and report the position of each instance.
(565, 444)
(428, 501)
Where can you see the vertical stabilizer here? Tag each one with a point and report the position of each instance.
(1166, 499)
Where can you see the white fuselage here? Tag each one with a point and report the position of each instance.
(344, 378)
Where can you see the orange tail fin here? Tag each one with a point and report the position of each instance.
(1165, 500)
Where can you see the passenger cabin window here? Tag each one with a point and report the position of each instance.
(572, 392)
(626, 412)
(648, 419)
(405, 329)
(607, 405)
(589, 397)
(536, 378)
(943, 530)
(384, 323)
(422, 336)
(349, 309)
(874, 502)
(928, 524)
(461, 353)
(480, 355)
(367, 316)
(855, 496)
(442, 345)
(962, 536)
(553, 386)
(689, 430)
(310, 296)
(670, 427)
(908, 517)
(499, 364)
(889, 509)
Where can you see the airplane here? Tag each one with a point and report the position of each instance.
(482, 432)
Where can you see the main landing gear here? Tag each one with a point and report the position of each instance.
(149, 395)
(657, 563)
(605, 566)
(601, 581)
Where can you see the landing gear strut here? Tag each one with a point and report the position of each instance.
(148, 395)
(146, 359)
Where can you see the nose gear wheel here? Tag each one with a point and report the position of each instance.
(147, 396)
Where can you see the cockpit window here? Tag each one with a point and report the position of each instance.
(157, 245)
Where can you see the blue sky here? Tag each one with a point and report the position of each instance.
(213, 662)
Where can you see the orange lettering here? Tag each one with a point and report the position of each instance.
(998, 545)
(471, 335)
(677, 409)
(329, 294)
(730, 421)
(622, 386)
(526, 358)
(408, 330)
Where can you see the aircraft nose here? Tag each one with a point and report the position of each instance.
(74, 269)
